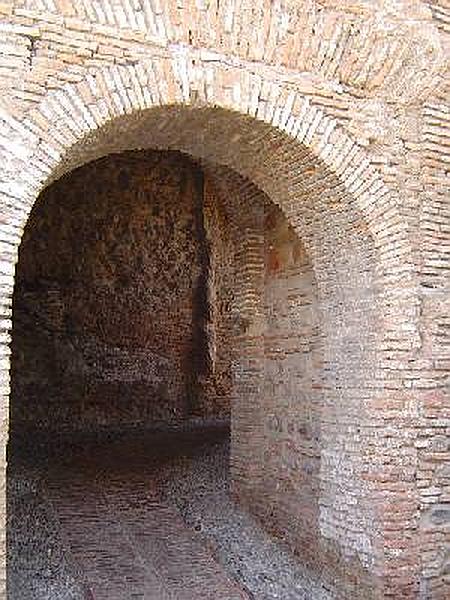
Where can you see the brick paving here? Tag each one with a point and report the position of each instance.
(140, 515)
(123, 541)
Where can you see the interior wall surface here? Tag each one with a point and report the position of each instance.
(111, 317)
(283, 398)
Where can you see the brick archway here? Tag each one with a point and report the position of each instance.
(333, 198)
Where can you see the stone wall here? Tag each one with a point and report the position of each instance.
(111, 323)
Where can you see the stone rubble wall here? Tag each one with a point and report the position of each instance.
(105, 308)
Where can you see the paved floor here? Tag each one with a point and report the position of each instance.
(143, 516)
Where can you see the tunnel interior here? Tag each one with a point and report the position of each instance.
(159, 304)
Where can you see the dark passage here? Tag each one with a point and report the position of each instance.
(140, 278)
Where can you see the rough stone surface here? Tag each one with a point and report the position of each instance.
(110, 303)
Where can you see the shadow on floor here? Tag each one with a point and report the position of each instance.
(138, 514)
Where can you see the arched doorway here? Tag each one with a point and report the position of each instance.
(132, 300)
(333, 200)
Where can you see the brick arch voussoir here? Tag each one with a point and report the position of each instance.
(40, 148)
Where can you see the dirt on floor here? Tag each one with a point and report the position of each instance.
(140, 515)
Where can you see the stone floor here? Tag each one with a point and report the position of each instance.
(141, 515)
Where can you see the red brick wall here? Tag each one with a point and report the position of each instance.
(360, 94)
(292, 387)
